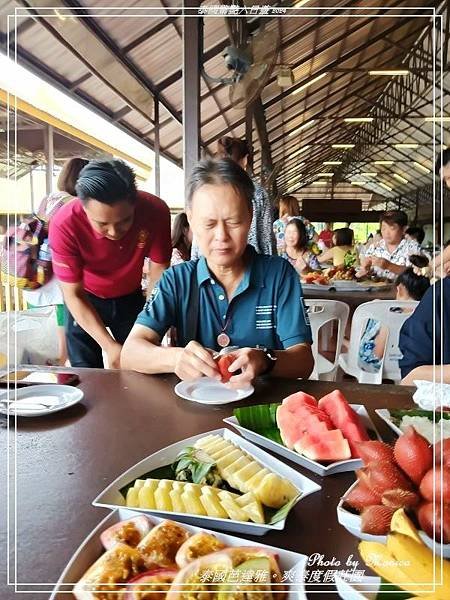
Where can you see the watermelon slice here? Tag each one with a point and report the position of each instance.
(297, 414)
(329, 446)
(345, 419)
(295, 400)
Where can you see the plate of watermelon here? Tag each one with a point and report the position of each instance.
(411, 475)
(321, 436)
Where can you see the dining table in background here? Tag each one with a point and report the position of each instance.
(353, 298)
(64, 460)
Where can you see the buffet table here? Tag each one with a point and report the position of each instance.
(66, 459)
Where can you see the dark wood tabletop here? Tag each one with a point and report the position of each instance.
(64, 460)
(353, 299)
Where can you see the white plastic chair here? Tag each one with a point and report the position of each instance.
(391, 314)
(322, 313)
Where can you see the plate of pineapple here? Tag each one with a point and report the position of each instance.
(214, 479)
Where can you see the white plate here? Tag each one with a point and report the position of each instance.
(207, 390)
(91, 549)
(340, 466)
(366, 588)
(352, 524)
(385, 415)
(112, 498)
(38, 400)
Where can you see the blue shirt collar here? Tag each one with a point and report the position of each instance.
(253, 275)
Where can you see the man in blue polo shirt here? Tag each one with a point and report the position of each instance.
(229, 297)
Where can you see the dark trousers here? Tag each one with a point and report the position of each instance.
(119, 314)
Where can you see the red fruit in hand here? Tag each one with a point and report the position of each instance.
(376, 520)
(374, 450)
(361, 496)
(384, 475)
(223, 363)
(413, 454)
(443, 447)
(439, 478)
(442, 521)
(400, 499)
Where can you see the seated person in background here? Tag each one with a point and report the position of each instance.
(409, 287)
(390, 256)
(297, 250)
(343, 245)
(181, 240)
(415, 233)
(425, 337)
(326, 235)
(230, 296)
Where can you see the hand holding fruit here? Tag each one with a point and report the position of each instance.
(252, 362)
(195, 361)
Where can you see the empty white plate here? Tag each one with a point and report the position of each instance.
(206, 390)
(38, 400)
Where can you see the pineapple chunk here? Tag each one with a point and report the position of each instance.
(235, 512)
(215, 446)
(132, 498)
(204, 442)
(147, 497)
(192, 504)
(252, 506)
(221, 453)
(162, 495)
(212, 506)
(230, 472)
(139, 483)
(177, 502)
(275, 491)
(254, 481)
(226, 461)
(247, 472)
(152, 483)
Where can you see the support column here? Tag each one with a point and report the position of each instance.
(157, 149)
(249, 135)
(192, 50)
(49, 157)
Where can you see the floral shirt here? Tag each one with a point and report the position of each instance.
(309, 258)
(400, 256)
(279, 227)
(260, 235)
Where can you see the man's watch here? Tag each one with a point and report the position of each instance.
(271, 359)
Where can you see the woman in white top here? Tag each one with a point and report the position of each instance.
(50, 293)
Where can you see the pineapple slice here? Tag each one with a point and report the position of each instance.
(139, 483)
(275, 491)
(221, 453)
(147, 494)
(254, 481)
(152, 483)
(252, 506)
(230, 471)
(243, 475)
(177, 501)
(162, 495)
(132, 499)
(215, 446)
(192, 504)
(226, 461)
(235, 512)
(211, 504)
(204, 442)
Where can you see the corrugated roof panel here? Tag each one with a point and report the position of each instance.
(102, 94)
(174, 95)
(160, 55)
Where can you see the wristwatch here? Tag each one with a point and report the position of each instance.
(271, 358)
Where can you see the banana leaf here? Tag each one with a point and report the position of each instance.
(260, 418)
(392, 592)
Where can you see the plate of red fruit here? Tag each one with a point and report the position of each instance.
(412, 475)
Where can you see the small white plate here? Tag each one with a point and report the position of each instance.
(38, 400)
(206, 390)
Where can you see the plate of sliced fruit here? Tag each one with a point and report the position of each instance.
(215, 479)
(321, 436)
(133, 556)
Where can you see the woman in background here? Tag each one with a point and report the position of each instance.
(50, 293)
(342, 247)
(296, 248)
(181, 240)
(288, 208)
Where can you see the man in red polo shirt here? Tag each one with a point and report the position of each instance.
(99, 242)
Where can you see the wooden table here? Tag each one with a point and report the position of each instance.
(65, 460)
(353, 299)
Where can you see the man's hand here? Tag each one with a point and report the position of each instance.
(381, 263)
(366, 262)
(252, 362)
(113, 351)
(195, 361)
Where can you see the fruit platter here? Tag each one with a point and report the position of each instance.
(319, 435)
(405, 566)
(136, 557)
(431, 424)
(215, 479)
(343, 279)
(411, 475)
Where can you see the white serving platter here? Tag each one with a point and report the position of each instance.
(112, 498)
(38, 400)
(385, 415)
(352, 524)
(340, 466)
(91, 549)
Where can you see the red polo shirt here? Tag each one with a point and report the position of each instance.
(109, 268)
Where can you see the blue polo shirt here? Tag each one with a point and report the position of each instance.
(267, 307)
(421, 335)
